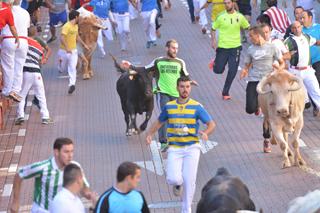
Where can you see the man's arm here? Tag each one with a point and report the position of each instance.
(64, 43)
(16, 194)
(82, 42)
(213, 39)
(245, 70)
(153, 129)
(15, 34)
(211, 125)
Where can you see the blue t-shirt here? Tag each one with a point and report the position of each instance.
(182, 121)
(113, 201)
(148, 5)
(101, 8)
(119, 6)
(313, 31)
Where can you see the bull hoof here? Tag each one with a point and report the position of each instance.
(273, 141)
(290, 156)
(86, 76)
(286, 164)
(300, 162)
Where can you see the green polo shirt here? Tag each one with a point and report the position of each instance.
(229, 26)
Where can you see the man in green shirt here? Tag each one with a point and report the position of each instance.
(229, 23)
(167, 70)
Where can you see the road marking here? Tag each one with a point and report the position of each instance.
(7, 150)
(7, 189)
(22, 132)
(13, 168)
(63, 76)
(17, 149)
(165, 205)
(7, 134)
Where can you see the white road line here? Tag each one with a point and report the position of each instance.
(63, 76)
(165, 205)
(22, 132)
(7, 150)
(7, 189)
(8, 134)
(17, 149)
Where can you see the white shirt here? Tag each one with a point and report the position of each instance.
(21, 19)
(66, 202)
(304, 49)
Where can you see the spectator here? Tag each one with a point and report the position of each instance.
(229, 23)
(123, 197)
(48, 175)
(68, 53)
(57, 13)
(279, 18)
(67, 200)
(184, 148)
(32, 77)
(13, 56)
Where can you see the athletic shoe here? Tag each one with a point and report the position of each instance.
(153, 43)
(226, 97)
(53, 38)
(148, 45)
(47, 121)
(72, 88)
(19, 121)
(266, 146)
(258, 112)
(177, 190)
(164, 147)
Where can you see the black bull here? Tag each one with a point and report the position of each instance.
(224, 194)
(135, 91)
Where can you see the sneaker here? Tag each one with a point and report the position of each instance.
(47, 121)
(72, 88)
(148, 45)
(177, 190)
(226, 97)
(258, 112)
(164, 147)
(35, 102)
(204, 30)
(14, 96)
(153, 43)
(53, 38)
(19, 121)
(266, 146)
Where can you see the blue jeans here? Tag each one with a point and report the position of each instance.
(163, 99)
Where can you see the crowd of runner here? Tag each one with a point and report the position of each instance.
(275, 40)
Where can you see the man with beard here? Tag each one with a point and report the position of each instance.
(182, 116)
(68, 53)
(229, 23)
(167, 71)
(48, 175)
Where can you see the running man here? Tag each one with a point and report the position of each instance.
(229, 23)
(183, 136)
(48, 176)
(149, 11)
(201, 14)
(167, 71)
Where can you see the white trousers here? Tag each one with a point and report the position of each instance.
(133, 12)
(310, 82)
(37, 209)
(69, 63)
(182, 166)
(149, 24)
(33, 80)
(202, 14)
(12, 60)
(123, 28)
(107, 33)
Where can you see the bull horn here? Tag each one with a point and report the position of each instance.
(262, 84)
(297, 86)
(132, 72)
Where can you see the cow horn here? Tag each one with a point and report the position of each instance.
(297, 86)
(262, 84)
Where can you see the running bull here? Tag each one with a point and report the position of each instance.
(135, 90)
(225, 193)
(281, 98)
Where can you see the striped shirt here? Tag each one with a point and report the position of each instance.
(279, 19)
(48, 180)
(182, 121)
(34, 56)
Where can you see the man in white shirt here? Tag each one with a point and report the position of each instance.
(13, 56)
(67, 200)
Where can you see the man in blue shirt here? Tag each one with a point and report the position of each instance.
(120, 10)
(101, 8)
(123, 197)
(149, 11)
(313, 30)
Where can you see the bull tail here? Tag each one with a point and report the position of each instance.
(116, 64)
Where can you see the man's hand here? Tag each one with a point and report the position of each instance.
(149, 139)
(204, 136)
(214, 44)
(244, 73)
(17, 41)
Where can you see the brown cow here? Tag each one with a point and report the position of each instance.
(281, 98)
(89, 26)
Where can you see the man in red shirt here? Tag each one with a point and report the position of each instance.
(7, 18)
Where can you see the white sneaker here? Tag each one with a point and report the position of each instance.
(177, 190)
